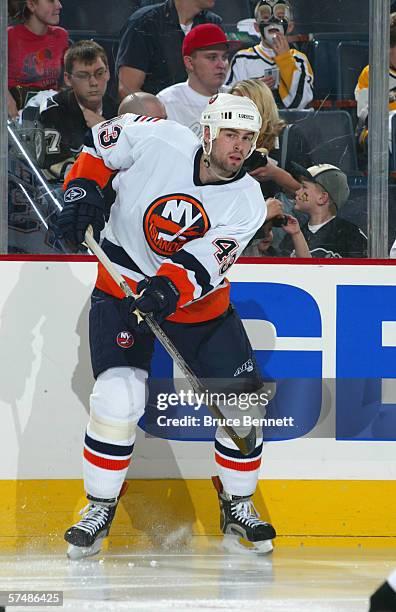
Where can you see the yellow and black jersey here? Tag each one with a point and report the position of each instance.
(361, 92)
(292, 72)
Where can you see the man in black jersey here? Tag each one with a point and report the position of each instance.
(324, 190)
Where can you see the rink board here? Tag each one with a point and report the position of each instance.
(334, 323)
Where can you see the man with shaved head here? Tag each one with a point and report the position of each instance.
(142, 103)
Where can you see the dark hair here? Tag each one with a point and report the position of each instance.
(392, 38)
(85, 51)
(17, 10)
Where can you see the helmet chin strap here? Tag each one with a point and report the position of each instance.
(208, 165)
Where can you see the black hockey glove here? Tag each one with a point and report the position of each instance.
(83, 206)
(258, 159)
(159, 298)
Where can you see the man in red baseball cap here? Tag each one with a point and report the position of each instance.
(205, 54)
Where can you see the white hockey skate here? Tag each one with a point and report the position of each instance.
(86, 537)
(244, 531)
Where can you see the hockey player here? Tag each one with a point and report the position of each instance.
(183, 214)
(286, 71)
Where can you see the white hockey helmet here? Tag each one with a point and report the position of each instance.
(234, 112)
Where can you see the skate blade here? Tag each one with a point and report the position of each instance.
(80, 552)
(235, 544)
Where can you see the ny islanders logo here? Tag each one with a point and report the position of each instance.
(172, 220)
(125, 339)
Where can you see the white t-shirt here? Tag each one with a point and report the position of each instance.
(184, 105)
(186, 28)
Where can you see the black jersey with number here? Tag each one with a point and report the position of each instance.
(65, 127)
(337, 238)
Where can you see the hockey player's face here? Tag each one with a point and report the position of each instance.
(230, 149)
(89, 81)
(46, 11)
(208, 68)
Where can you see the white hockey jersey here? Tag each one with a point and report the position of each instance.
(164, 221)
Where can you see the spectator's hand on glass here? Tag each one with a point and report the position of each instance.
(12, 107)
(91, 118)
(292, 226)
(268, 80)
(280, 44)
(274, 208)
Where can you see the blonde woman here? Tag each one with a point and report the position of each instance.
(271, 128)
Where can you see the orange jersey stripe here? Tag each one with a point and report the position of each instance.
(248, 466)
(106, 464)
(89, 167)
(209, 307)
(105, 283)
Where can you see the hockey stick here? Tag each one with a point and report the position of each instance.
(247, 444)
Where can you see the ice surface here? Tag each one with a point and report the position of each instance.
(202, 577)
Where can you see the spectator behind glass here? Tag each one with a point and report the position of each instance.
(261, 245)
(35, 52)
(150, 53)
(67, 116)
(362, 96)
(205, 55)
(323, 191)
(287, 72)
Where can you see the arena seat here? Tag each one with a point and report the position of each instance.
(231, 12)
(352, 57)
(294, 115)
(93, 18)
(323, 54)
(330, 139)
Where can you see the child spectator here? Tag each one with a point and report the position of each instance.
(324, 189)
(35, 52)
(67, 116)
(261, 245)
(205, 56)
(361, 91)
(287, 72)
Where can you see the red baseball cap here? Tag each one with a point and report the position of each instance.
(203, 35)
